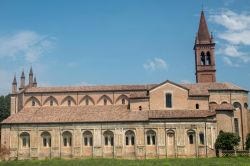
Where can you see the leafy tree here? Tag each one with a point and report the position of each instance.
(4, 107)
(248, 141)
(227, 141)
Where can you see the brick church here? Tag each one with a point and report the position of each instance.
(127, 121)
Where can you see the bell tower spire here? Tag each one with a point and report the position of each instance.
(204, 53)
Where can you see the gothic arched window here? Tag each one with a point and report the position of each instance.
(87, 101)
(88, 138)
(203, 58)
(67, 139)
(201, 135)
(69, 102)
(208, 58)
(108, 138)
(151, 137)
(33, 102)
(25, 138)
(191, 136)
(123, 101)
(130, 137)
(51, 102)
(46, 139)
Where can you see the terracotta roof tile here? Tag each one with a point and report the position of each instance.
(204, 88)
(76, 114)
(220, 107)
(200, 89)
(142, 94)
(96, 114)
(161, 114)
(92, 88)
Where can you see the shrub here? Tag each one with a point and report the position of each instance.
(227, 141)
(248, 141)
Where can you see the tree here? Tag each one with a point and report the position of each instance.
(4, 107)
(248, 141)
(227, 141)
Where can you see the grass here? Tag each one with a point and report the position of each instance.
(113, 162)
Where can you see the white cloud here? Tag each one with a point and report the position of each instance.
(231, 20)
(156, 63)
(28, 44)
(235, 36)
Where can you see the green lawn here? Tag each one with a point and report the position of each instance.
(112, 162)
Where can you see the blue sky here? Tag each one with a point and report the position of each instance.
(93, 42)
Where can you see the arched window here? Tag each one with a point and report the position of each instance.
(191, 136)
(129, 138)
(67, 139)
(168, 100)
(236, 126)
(105, 101)
(246, 106)
(208, 58)
(151, 137)
(87, 101)
(46, 139)
(237, 105)
(202, 140)
(197, 106)
(212, 102)
(25, 139)
(191, 139)
(202, 58)
(69, 102)
(88, 138)
(108, 138)
(224, 102)
(33, 102)
(123, 101)
(51, 102)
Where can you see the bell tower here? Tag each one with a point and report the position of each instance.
(204, 53)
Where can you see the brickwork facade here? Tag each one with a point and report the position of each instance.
(127, 121)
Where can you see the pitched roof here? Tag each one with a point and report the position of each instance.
(203, 33)
(197, 89)
(221, 107)
(91, 88)
(77, 114)
(170, 82)
(204, 88)
(159, 114)
(138, 95)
